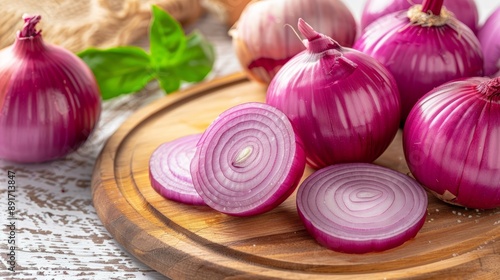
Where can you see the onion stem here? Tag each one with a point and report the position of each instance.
(432, 6)
(317, 42)
(307, 30)
(30, 23)
(490, 88)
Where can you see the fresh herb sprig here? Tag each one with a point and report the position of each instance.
(173, 57)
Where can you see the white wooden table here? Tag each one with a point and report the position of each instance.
(58, 234)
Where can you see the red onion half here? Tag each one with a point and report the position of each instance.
(343, 103)
(169, 170)
(423, 48)
(451, 142)
(490, 43)
(464, 10)
(263, 43)
(49, 99)
(361, 207)
(248, 161)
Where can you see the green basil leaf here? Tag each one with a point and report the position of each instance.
(197, 59)
(119, 70)
(193, 66)
(173, 58)
(166, 38)
(169, 82)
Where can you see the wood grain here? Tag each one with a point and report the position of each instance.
(195, 242)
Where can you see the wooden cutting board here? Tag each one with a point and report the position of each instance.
(195, 242)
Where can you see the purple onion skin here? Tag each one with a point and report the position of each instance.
(421, 58)
(451, 142)
(342, 114)
(490, 43)
(49, 101)
(263, 43)
(360, 247)
(465, 10)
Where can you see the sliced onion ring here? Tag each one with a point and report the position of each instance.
(169, 170)
(361, 207)
(248, 161)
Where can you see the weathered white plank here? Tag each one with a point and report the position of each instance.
(58, 233)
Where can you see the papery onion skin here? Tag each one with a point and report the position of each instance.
(263, 43)
(464, 10)
(343, 104)
(421, 57)
(361, 207)
(451, 142)
(248, 161)
(169, 170)
(49, 100)
(490, 43)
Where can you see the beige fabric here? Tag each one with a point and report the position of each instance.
(228, 11)
(76, 25)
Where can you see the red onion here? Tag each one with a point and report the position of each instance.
(490, 43)
(49, 99)
(263, 43)
(343, 103)
(451, 142)
(464, 10)
(169, 170)
(361, 207)
(248, 160)
(422, 49)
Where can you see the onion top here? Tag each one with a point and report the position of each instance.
(423, 48)
(49, 99)
(344, 104)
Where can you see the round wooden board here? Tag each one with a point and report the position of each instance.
(196, 242)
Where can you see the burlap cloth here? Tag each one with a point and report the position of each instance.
(78, 24)
(228, 11)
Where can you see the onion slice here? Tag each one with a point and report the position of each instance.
(361, 207)
(248, 161)
(169, 172)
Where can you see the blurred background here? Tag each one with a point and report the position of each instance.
(76, 25)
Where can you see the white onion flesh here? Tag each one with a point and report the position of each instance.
(361, 207)
(169, 170)
(248, 161)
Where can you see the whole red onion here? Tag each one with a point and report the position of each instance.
(344, 104)
(490, 43)
(263, 42)
(464, 10)
(451, 142)
(423, 48)
(49, 99)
